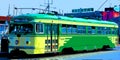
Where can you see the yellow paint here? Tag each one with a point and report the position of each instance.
(63, 40)
(39, 45)
(18, 38)
(74, 23)
(114, 39)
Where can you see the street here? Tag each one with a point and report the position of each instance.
(97, 55)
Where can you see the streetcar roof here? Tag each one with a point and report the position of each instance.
(46, 16)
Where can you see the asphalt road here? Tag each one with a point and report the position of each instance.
(97, 55)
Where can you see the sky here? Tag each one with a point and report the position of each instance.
(58, 5)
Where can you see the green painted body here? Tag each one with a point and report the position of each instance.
(87, 42)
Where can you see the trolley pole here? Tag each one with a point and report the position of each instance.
(48, 5)
(51, 26)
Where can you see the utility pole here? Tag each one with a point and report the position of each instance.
(9, 10)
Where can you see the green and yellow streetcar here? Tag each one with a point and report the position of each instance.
(45, 33)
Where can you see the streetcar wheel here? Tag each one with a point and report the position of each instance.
(17, 53)
(67, 51)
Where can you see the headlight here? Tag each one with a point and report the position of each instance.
(16, 42)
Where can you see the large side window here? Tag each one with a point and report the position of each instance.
(93, 30)
(21, 28)
(64, 29)
(114, 31)
(89, 29)
(108, 30)
(39, 28)
(99, 30)
(103, 30)
(81, 29)
(69, 29)
(74, 29)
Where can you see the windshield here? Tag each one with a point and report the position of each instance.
(21, 28)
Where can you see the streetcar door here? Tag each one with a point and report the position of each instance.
(51, 42)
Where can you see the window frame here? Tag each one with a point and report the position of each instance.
(36, 28)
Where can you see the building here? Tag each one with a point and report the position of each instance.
(4, 18)
(82, 10)
(87, 13)
(109, 14)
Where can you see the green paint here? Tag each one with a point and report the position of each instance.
(87, 42)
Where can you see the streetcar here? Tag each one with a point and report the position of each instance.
(47, 33)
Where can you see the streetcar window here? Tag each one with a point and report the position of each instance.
(39, 28)
(93, 30)
(108, 31)
(89, 30)
(69, 29)
(74, 29)
(114, 31)
(55, 29)
(64, 29)
(81, 29)
(48, 28)
(21, 28)
(105, 30)
(99, 30)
